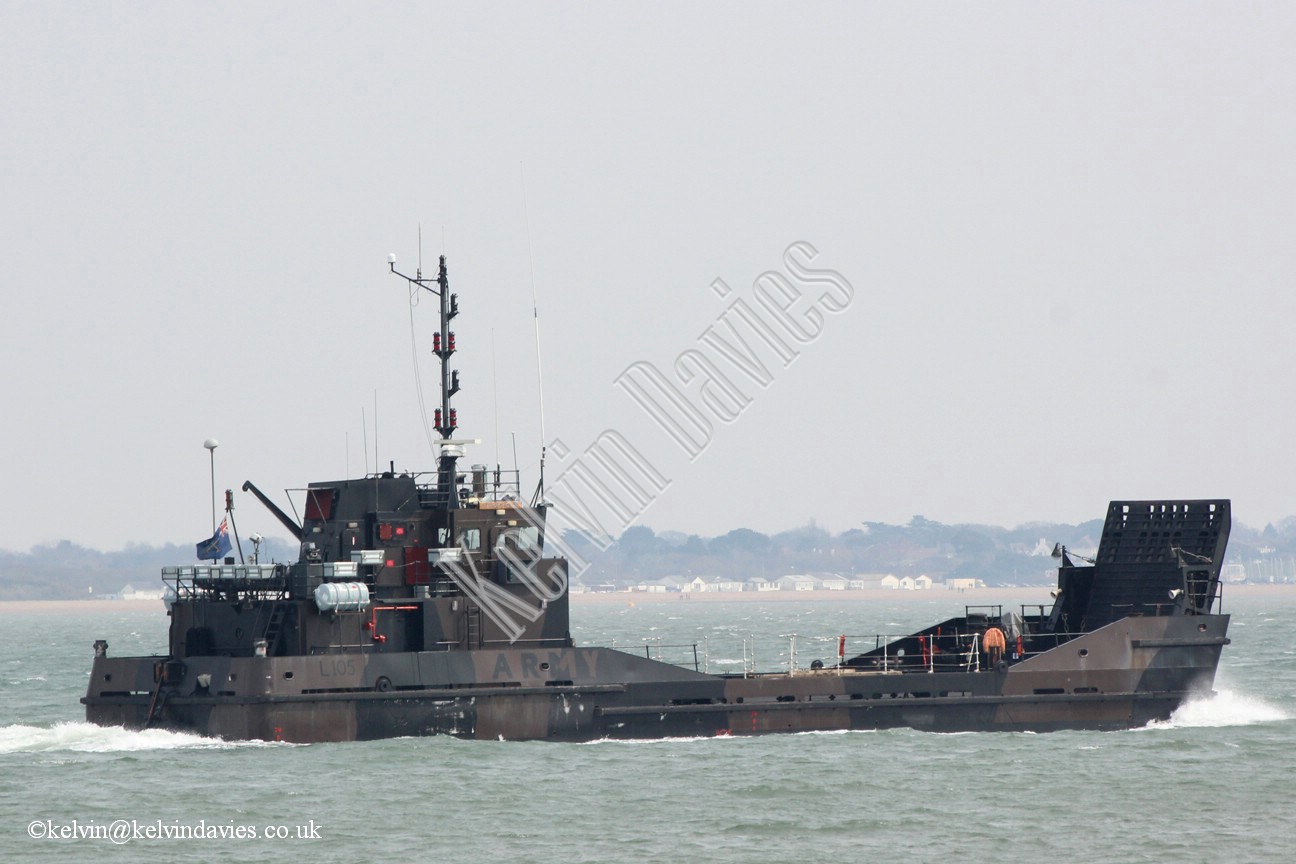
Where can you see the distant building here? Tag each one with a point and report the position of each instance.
(731, 585)
(798, 582)
(869, 581)
(130, 592)
(666, 584)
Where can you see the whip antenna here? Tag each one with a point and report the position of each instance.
(538, 498)
(495, 394)
(364, 431)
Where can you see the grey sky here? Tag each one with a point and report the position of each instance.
(1068, 228)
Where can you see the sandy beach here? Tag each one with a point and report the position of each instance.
(80, 605)
(980, 596)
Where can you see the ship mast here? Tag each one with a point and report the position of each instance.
(446, 419)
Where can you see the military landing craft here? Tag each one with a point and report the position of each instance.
(425, 604)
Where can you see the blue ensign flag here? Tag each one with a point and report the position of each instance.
(215, 547)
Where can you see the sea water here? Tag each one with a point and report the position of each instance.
(1215, 783)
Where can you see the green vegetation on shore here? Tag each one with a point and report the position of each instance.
(996, 556)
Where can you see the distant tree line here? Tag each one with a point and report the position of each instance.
(66, 571)
(994, 555)
(997, 556)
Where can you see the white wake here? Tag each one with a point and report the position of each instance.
(89, 738)
(1224, 708)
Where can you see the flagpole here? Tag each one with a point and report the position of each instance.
(211, 444)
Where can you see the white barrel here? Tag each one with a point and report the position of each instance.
(342, 597)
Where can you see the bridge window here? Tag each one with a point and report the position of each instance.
(528, 539)
(319, 504)
(470, 539)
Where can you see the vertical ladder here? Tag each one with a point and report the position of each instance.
(273, 626)
(153, 704)
(473, 627)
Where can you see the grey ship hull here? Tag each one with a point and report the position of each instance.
(1123, 675)
(426, 603)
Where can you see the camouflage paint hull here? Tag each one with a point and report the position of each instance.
(1131, 672)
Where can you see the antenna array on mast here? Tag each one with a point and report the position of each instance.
(446, 419)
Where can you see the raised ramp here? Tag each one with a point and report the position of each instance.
(1150, 548)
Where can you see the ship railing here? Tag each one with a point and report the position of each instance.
(723, 657)
(1035, 612)
(841, 654)
(194, 581)
(482, 483)
(686, 655)
(541, 642)
(910, 652)
(1170, 606)
(699, 656)
(946, 652)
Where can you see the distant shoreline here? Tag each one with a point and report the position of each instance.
(975, 597)
(972, 597)
(79, 605)
(979, 596)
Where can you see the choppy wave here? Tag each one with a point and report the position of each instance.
(641, 742)
(89, 738)
(1224, 708)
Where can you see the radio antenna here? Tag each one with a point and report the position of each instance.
(495, 394)
(539, 496)
(516, 467)
(364, 430)
(446, 419)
